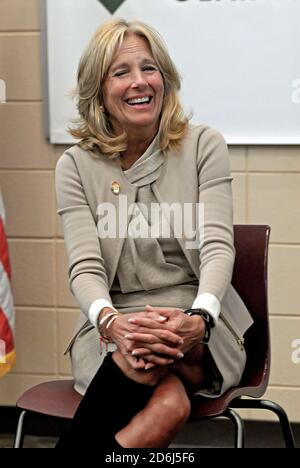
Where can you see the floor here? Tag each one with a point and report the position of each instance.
(209, 434)
(6, 441)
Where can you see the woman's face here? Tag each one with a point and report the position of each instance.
(132, 77)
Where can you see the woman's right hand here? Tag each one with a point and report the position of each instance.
(159, 341)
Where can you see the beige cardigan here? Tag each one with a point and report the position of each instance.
(199, 172)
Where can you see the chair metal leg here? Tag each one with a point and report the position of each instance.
(275, 408)
(283, 419)
(239, 427)
(19, 439)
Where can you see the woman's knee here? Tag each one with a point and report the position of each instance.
(183, 408)
(174, 401)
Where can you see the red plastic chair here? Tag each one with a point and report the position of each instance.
(251, 282)
(59, 399)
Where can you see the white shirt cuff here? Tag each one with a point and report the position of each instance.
(95, 309)
(210, 303)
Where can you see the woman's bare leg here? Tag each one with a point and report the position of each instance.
(162, 418)
(169, 407)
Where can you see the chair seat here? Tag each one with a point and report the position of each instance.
(57, 398)
(210, 407)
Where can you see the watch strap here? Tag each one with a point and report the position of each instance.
(209, 322)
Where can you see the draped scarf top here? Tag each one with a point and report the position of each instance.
(152, 267)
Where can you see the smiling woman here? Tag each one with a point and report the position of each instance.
(136, 143)
(132, 60)
(133, 94)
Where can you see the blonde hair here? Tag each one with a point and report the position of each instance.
(93, 126)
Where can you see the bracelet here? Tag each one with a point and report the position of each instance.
(111, 321)
(107, 316)
(102, 327)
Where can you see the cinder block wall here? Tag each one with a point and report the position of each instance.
(266, 190)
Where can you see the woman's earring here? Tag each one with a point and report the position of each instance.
(101, 108)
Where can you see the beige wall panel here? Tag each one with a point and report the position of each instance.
(274, 199)
(66, 325)
(20, 66)
(36, 341)
(29, 203)
(19, 15)
(239, 191)
(237, 158)
(284, 268)
(33, 272)
(13, 385)
(60, 149)
(22, 141)
(284, 331)
(64, 295)
(287, 397)
(274, 158)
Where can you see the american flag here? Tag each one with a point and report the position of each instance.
(7, 313)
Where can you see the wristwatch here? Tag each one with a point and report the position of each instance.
(209, 322)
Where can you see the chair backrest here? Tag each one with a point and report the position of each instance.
(251, 282)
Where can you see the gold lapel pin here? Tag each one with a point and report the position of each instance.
(115, 187)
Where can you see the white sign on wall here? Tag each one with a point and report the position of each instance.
(239, 59)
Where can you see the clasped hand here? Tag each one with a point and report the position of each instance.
(159, 336)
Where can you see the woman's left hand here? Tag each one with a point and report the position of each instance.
(190, 329)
